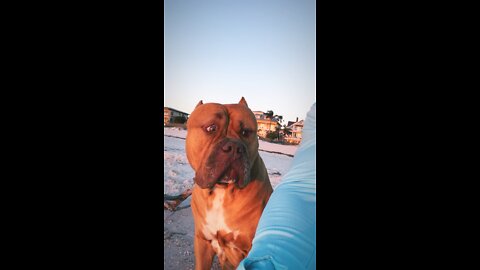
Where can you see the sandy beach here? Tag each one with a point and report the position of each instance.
(178, 239)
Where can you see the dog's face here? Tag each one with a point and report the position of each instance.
(222, 143)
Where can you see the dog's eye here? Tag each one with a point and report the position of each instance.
(245, 132)
(211, 128)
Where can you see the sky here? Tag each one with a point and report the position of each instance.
(220, 50)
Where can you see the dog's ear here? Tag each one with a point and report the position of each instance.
(242, 101)
(199, 103)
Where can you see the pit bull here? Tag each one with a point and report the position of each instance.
(231, 184)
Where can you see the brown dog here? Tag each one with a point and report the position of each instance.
(231, 182)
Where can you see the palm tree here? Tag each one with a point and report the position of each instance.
(286, 130)
(279, 118)
(269, 114)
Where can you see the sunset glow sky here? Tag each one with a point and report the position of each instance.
(221, 50)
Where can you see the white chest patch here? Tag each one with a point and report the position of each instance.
(215, 221)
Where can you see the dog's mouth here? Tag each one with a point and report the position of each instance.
(227, 164)
(229, 177)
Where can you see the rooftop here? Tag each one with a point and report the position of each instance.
(172, 109)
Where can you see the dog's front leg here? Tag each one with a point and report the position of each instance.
(203, 254)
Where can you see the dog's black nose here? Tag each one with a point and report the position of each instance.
(233, 147)
(227, 147)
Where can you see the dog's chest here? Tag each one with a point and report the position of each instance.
(215, 226)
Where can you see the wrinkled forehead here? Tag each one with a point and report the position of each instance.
(241, 113)
(209, 109)
(231, 112)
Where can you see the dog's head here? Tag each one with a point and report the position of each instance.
(222, 143)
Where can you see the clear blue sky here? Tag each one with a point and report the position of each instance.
(221, 50)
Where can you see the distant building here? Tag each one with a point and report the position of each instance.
(289, 123)
(296, 129)
(259, 114)
(265, 124)
(169, 115)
